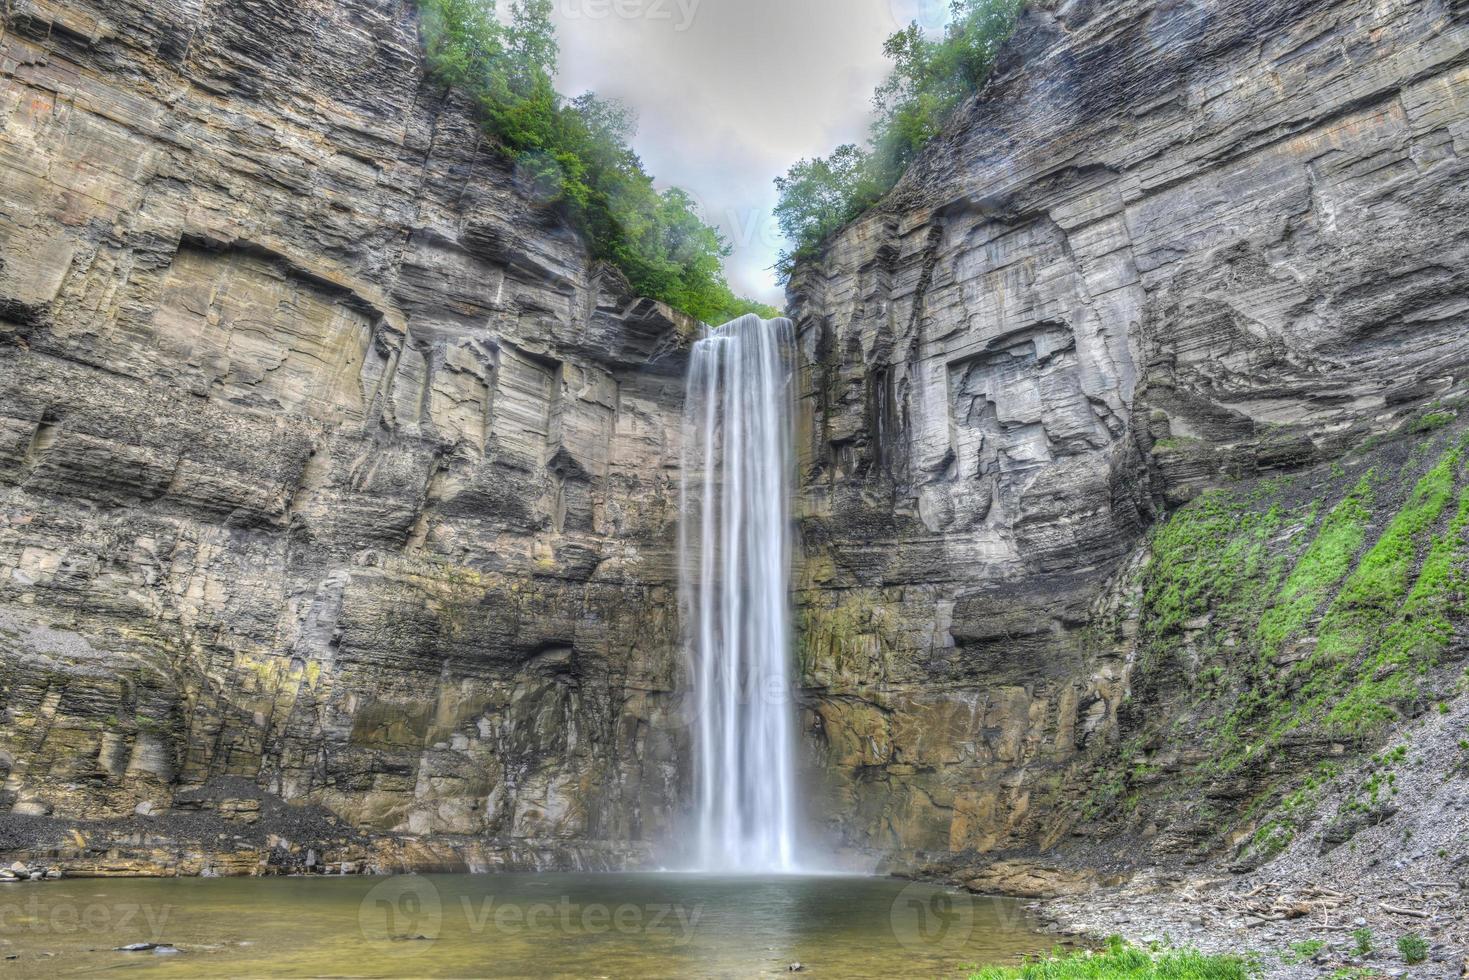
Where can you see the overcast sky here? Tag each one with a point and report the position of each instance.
(729, 93)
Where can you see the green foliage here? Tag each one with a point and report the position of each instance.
(1413, 948)
(1273, 837)
(1294, 812)
(1386, 626)
(576, 154)
(1379, 786)
(1431, 421)
(819, 196)
(1401, 621)
(1288, 623)
(1207, 558)
(1124, 961)
(1302, 951)
(1324, 564)
(1362, 938)
(930, 78)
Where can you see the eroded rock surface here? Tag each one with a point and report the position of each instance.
(332, 472)
(1173, 246)
(337, 498)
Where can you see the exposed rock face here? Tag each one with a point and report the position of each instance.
(336, 484)
(331, 471)
(1172, 246)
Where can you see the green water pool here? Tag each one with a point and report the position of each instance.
(542, 925)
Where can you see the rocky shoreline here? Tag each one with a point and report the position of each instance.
(1292, 930)
(20, 872)
(1308, 911)
(170, 847)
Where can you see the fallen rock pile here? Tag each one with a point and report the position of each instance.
(19, 872)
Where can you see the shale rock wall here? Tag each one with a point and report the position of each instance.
(337, 498)
(1173, 246)
(332, 473)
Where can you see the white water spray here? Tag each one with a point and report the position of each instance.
(735, 548)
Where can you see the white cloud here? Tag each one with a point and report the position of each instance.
(732, 92)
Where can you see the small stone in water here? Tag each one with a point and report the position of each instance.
(795, 968)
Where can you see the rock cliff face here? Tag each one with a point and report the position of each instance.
(337, 486)
(1174, 246)
(332, 473)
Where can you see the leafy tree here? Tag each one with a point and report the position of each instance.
(530, 40)
(578, 153)
(819, 196)
(461, 39)
(929, 80)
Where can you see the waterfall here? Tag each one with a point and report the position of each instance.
(735, 548)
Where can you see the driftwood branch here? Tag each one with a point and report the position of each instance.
(1395, 910)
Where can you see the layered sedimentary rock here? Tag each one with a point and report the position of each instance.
(1172, 246)
(335, 500)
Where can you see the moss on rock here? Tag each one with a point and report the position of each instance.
(1287, 620)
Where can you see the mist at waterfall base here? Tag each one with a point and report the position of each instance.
(758, 897)
(735, 555)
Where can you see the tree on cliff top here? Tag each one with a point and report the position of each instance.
(930, 79)
(577, 154)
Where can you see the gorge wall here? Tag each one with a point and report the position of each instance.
(1175, 250)
(337, 485)
(335, 507)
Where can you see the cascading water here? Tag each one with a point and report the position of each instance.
(735, 550)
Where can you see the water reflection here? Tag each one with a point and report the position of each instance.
(549, 925)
